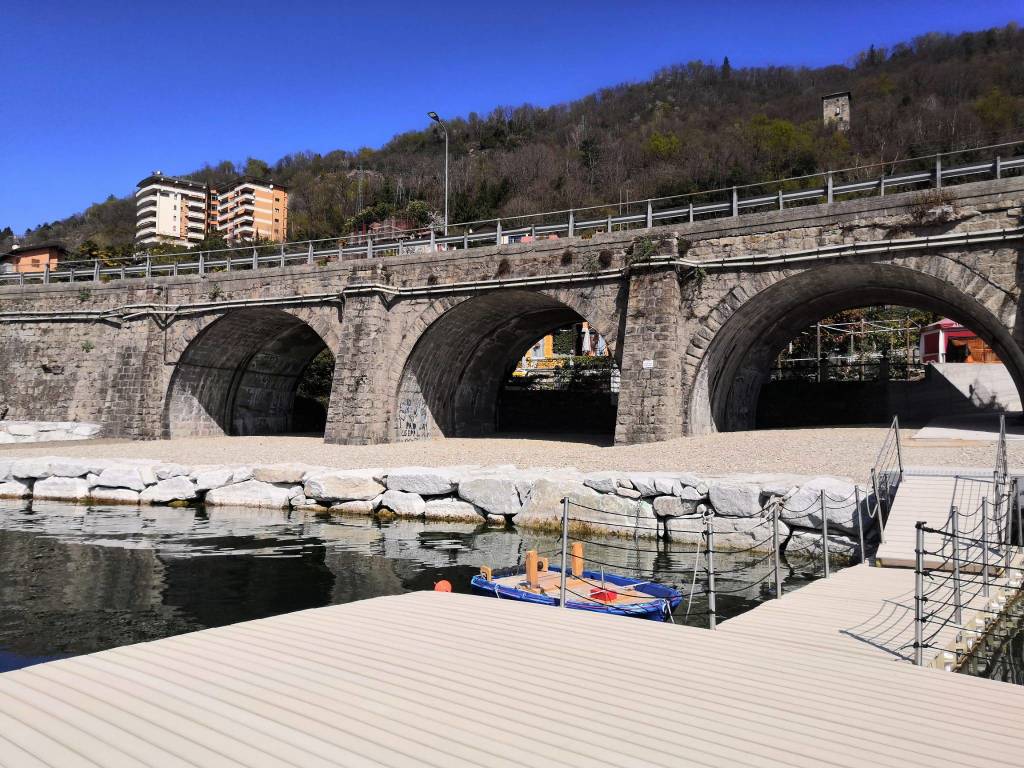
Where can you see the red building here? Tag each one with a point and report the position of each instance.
(949, 342)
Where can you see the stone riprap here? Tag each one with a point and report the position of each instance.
(46, 431)
(672, 504)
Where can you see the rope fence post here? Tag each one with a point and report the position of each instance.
(860, 521)
(984, 547)
(957, 597)
(878, 507)
(565, 546)
(776, 565)
(709, 532)
(1020, 518)
(899, 449)
(824, 530)
(919, 594)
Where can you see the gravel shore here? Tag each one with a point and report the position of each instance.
(838, 451)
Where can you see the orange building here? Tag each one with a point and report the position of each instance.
(185, 212)
(32, 258)
(249, 209)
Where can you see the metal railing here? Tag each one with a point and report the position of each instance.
(767, 549)
(687, 208)
(886, 476)
(975, 571)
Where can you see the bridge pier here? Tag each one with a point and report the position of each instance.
(650, 390)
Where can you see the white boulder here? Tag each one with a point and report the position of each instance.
(65, 488)
(731, 533)
(732, 499)
(124, 477)
(15, 489)
(451, 509)
(342, 487)
(403, 504)
(250, 493)
(207, 479)
(495, 495)
(32, 468)
(425, 481)
(280, 473)
(177, 488)
(114, 496)
(355, 507)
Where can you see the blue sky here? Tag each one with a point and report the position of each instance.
(96, 95)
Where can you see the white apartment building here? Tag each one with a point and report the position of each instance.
(170, 210)
(183, 212)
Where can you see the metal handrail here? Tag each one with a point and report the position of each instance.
(363, 246)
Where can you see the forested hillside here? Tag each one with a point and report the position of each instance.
(692, 126)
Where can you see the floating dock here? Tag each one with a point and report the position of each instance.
(457, 680)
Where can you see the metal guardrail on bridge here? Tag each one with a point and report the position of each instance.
(550, 225)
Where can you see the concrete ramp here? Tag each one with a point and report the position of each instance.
(987, 386)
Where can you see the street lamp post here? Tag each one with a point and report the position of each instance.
(433, 116)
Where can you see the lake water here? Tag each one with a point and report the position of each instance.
(77, 579)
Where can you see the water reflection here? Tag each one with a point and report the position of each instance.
(76, 579)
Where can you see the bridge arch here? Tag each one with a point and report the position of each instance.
(238, 373)
(753, 325)
(455, 366)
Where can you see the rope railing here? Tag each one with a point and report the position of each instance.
(653, 211)
(970, 570)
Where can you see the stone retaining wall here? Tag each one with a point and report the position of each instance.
(628, 503)
(46, 431)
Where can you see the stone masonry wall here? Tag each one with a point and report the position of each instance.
(112, 356)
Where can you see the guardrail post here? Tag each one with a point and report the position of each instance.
(433, 240)
(149, 267)
(999, 167)
(919, 595)
(650, 215)
(46, 273)
(878, 507)
(309, 254)
(881, 186)
(735, 202)
(572, 224)
(776, 565)
(21, 278)
(824, 530)
(72, 274)
(709, 532)
(984, 547)
(282, 255)
(608, 226)
(1017, 509)
(957, 596)
(255, 260)
(860, 522)
(96, 269)
(899, 449)
(465, 240)
(938, 171)
(829, 188)
(565, 547)
(691, 212)
(369, 246)
(202, 264)
(782, 201)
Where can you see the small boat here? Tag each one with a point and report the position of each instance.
(585, 590)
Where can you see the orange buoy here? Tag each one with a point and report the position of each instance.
(443, 586)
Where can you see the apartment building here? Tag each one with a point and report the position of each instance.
(183, 212)
(249, 209)
(170, 210)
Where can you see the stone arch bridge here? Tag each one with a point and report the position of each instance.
(693, 313)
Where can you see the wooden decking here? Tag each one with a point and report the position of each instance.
(457, 680)
(860, 612)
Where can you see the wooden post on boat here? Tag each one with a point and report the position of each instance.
(577, 559)
(565, 546)
(531, 569)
